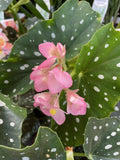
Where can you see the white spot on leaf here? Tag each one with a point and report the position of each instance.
(96, 59)
(53, 35)
(116, 153)
(96, 138)
(113, 134)
(100, 76)
(63, 28)
(108, 146)
(91, 47)
(118, 65)
(96, 89)
(81, 22)
(106, 45)
(1, 121)
(114, 78)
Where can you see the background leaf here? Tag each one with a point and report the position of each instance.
(43, 5)
(11, 118)
(4, 4)
(97, 75)
(102, 139)
(73, 25)
(47, 146)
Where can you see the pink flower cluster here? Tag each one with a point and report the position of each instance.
(50, 75)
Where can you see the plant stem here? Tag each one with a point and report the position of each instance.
(16, 18)
(79, 154)
(116, 12)
(21, 27)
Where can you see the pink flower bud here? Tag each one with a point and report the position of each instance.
(75, 104)
(49, 50)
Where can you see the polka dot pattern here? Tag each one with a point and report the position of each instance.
(62, 28)
(52, 148)
(104, 140)
(99, 82)
(10, 128)
(101, 86)
(99, 66)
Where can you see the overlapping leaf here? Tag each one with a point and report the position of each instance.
(73, 25)
(47, 146)
(102, 139)
(4, 4)
(97, 75)
(11, 118)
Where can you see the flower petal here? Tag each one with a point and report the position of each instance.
(35, 74)
(47, 63)
(44, 101)
(45, 110)
(78, 108)
(61, 49)
(59, 117)
(53, 85)
(41, 84)
(48, 49)
(58, 80)
(75, 104)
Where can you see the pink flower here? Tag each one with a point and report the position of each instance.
(58, 80)
(75, 104)
(53, 79)
(40, 74)
(49, 50)
(49, 105)
(5, 46)
(10, 23)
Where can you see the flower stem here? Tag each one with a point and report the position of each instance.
(79, 78)
(22, 29)
(79, 154)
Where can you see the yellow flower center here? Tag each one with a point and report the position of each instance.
(52, 112)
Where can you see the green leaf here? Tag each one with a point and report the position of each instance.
(98, 81)
(98, 68)
(4, 4)
(102, 139)
(15, 74)
(30, 6)
(11, 118)
(42, 4)
(47, 146)
(73, 25)
(31, 125)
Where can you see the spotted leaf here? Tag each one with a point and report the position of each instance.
(102, 139)
(47, 146)
(4, 4)
(73, 24)
(11, 118)
(15, 75)
(97, 76)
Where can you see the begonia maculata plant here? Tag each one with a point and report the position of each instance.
(51, 75)
(59, 83)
